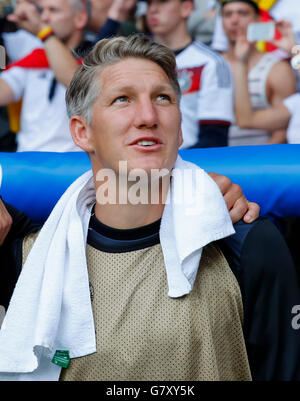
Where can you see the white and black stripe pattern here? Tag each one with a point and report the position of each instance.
(222, 68)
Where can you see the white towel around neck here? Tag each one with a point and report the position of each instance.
(51, 308)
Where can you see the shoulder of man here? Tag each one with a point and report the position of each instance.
(264, 268)
(260, 243)
(216, 62)
(280, 69)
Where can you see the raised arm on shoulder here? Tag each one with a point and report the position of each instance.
(238, 206)
(61, 60)
(60, 56)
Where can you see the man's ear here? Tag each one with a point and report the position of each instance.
(81, 134)
(186, 8)
(180, 142)
(81, 19)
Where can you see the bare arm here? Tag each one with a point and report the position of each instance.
(278, 136)
(6, 93)
(61, 60)
(272, 119)
(120, 9)
(60, 57)
(279, 89)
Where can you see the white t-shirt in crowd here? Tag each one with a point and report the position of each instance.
(206, 85)
(19, 44)
(292, 103)
(44, 122)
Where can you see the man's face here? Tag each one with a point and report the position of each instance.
(136, 118)
(100, 9)
(163, 16)
(59, 15)
(32, 1)
(236, 18)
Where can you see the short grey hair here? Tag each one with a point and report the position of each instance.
(77, 5)
(85, 86)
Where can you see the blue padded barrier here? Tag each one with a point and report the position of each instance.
(268, 175)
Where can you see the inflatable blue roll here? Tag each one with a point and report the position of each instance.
(268, 175)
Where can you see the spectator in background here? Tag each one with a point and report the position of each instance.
(201, 23)
(104, 18)
(21, 42)
(207, 104)
(110, 17)
(265, 72)
(286, 113)
(44, 121)
(120, 20)
(18, 42)
(98, 13)
(279, 10)
(204, 76)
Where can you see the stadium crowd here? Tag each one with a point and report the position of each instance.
(43, 39)
(233, 91)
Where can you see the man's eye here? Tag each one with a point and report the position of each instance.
(149, 2)
(121, 99)
(163, 98)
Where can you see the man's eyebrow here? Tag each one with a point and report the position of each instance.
(130, 88)
(124, 88)
(163, 87)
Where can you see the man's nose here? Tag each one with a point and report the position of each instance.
(146, 114)
(152, 6)
(45, 17)
(235, 19)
